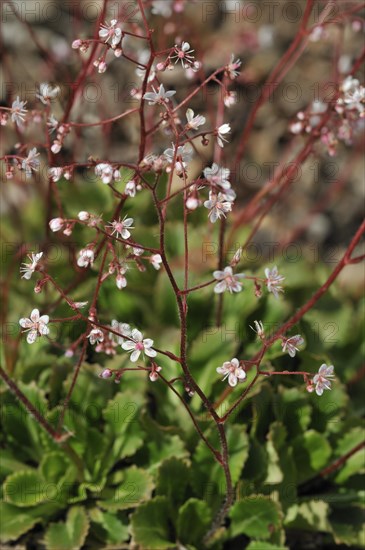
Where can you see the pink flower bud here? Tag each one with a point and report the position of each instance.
(56, 147)
(83, 216)
(118, 52)
(76, 44)
(160, 66)
(106, 373)
(56, 224)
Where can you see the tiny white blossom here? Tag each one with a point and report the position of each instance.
(233, 66)
(86, 257)
(194, 121)
(273, 281)
(183, 54)
(160, 96)
(47, 93)
(227, 281)
(221, 132)
(322, 380)
(29, 268)
(232, 371)
(35, 326)
(218, 206)
(31, 162)
(182, 157)
(124, 330)
(96, 336)
(112, 32)
(104, 171)
(259, 329)
(219, 176)
(130, 188)
(17, 111)
(353, 94)
(156, 261)
(139, 345)
(290, 344)
(121, 227)
(55, 173)
(153, 375)
(56, 224)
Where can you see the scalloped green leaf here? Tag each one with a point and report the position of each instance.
(28, 488)
(54, 465)
(150, 525)
(135, 488)
(108, 526)
(68, 535)
(311, 453)
(172, 480)
(193, 521)
(257, 516)
(356, 463)
(15, 522)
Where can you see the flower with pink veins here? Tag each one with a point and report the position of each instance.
(18, 111)
(121, 227)
(221, 132)
(322, 380)
(273, 281)
(218, 206)
(227, 281)
(112, 32)
(290, 344)
(232, 371)
(29, 268)
(35, 326)
(139, 345)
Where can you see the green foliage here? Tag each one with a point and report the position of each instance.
(133, 467)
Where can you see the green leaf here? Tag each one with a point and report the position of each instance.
(356, 463)
(135, 488)
(28, 488)
(256, 516)
(69, 535)
(53, 466)
(193, 521)
(172, 480)
(311, 453)
(113, 530)
(312, 515)
(261, 545)
(150, 525)
(15, 522)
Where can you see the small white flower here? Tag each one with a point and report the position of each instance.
(86, 257)
(123, 328)
(194, 121)
(353, 94)
(183, 54)
(322, 380)
(153, 375)
(30, 268)
(121, 280)
(232, 371)
(112, 32)
(182, 157)
(290, 344)
(31, 162)
(56, 224)
(221, 132)
(35, 326)
(160, 96)
(218, 206)
(83, 216)
(156, 261)
(227, 281)
(121, 227)
(17, 111)
(130, 188)
(139, 345)
(230, 98)
(47, 93)
(105, 172)
(259, 329)
(273, 281)
(95, 336)
(218, 176)
(55, 173)
(233, 66)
